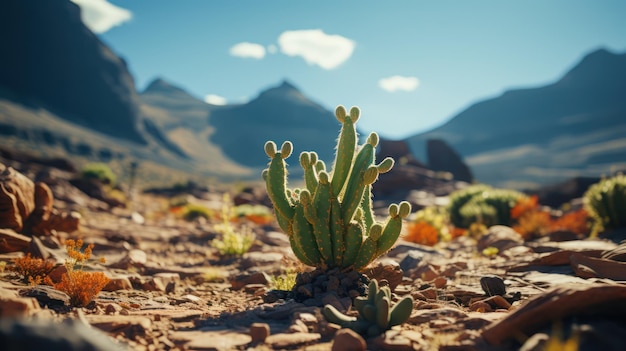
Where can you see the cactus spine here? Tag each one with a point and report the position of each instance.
(330, 222)
(376, 315)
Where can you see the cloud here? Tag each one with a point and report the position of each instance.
(395, 83)
(316, 47)
(100, 15)
(215, 100)
(248, 50)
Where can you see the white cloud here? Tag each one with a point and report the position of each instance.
(100, 15)
(395, 83)
(248, 50)
(316, 47)
(215, 100)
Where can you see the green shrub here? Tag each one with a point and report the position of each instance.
(482, 204)
(605, 202)
(100, 172)
(193, 211)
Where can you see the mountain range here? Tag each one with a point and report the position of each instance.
(63, 92)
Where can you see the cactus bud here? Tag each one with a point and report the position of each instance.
(313, 156)
(340, 113)
(376, 231)
(270, 148)
(320, 166)
(405, 209)
(373, 139)
(265, 173)
(323, 177)
(305, 197)
(355, 113)
(385, 165)
(305, 159)
(393, 210)
(286, 149)
(370, 175)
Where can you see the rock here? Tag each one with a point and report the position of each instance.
(12, 306)
(590, 267)
(118, 283)
(411, 260)
(501, 237)
(557, 304)
(348, 340)
(257, 259)
(130, 326)
(39, 334)
(10, 241)
(134, 258)
(616, 254)
(284, 341)
(392, 340)
(17, 198)
(386, 271)
(442, 157)
(47, 296)
(239, 281)
(164, 282)
(492, 285)
(259, 332)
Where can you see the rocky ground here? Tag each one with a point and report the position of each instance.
(171, 289)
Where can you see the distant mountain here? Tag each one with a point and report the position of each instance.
(51, 59)
(278, 113)
(531, 137)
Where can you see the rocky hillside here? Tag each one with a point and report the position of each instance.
(528, 137)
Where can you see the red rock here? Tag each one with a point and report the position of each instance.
(259, 332)
(348, 340)
(10, 241)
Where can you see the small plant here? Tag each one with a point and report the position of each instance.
(32, 270)
(100, 172)
(605, 202)
(257, 214)
(376, 315)
(191, 212)
(533, 224)
(233, 243)
(482, 204)
(82, 287)
(575, 221)
(422, 233)
(330, 222)
(284, 281)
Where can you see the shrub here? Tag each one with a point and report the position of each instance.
(575, 221)
(459, 198)
(605, 202)
(193, 211)
(482, 204)
(233, 243)
(82, 287)
(421, 232)
(100, 172)
(32, 270)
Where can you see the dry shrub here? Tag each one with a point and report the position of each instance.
(80, 286)
(523, 206)
(32, 270)
(533, 224)
(422, 233)
(576, 221)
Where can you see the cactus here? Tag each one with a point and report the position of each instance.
(376, 315)
(605, 202)
(482, 204)
(330, 221)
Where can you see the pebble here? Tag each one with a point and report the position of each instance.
(259, 332)
(348, 340)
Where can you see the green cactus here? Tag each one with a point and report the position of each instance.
(605, 202)
(482, 204)
(376, 315)
(330, 222)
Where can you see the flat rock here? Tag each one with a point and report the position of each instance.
(285, 341)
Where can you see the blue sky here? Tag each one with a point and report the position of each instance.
(409, 65)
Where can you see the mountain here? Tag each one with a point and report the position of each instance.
(526, 138)
(279, 113)
(51, 59)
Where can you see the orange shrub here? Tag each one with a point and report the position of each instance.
(32, 270)
(533, 224)
(422, 233)
(576, 221)
(81, 286)
(523, 206)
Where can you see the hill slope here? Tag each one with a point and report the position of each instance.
(530, 137)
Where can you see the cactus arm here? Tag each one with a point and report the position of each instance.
(345, 147)
(401, 311)
(334, 316)
(352, 242)
(392, 229)
(317, 211)
(304, 238)
(337, 229)
(277, 178)
(382, 311)
(308, 161)
(367, 251)
(297, 251)
(356, 186)
(366, 206)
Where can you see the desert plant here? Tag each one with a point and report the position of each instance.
(79, 285)
(233, 242)
(192, 211)
(284, 281)
(421, 232)
(330, 222)
(575, 221)
(100, 172)
(376, 315)
(482, 204)
(605, 202)
(32, 270)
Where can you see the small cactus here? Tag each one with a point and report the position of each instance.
(376, 315)
(605, 202)
(330, 221)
